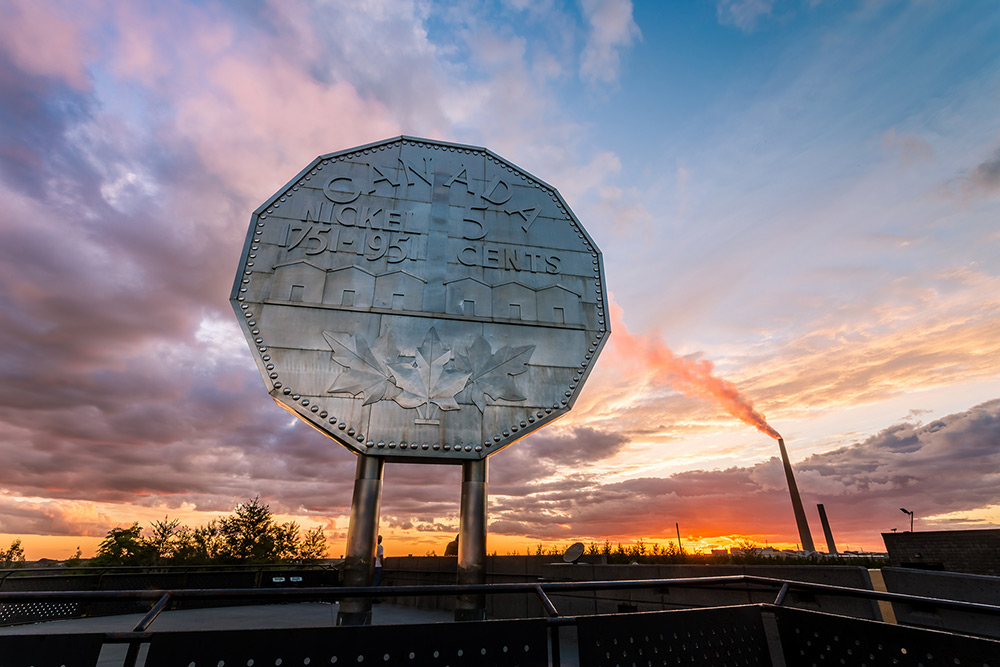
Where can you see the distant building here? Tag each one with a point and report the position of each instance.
(969, 551)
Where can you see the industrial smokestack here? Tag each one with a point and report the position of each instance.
(800, 516)
(826, 530)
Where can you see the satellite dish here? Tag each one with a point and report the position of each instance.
(573, 553)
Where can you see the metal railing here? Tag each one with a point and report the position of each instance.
(160, 600)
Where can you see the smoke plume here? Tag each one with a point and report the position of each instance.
(691, 377)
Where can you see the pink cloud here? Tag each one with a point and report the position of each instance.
(44, 41)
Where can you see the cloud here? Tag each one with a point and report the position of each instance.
(52, 517)
(743, 14)
(985, 178)
(611, 29)
(123, 203)
(135, 145)
(27, 26)
(934, 469)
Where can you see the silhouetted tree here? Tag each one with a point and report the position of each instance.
(313, 546)
(286, 541)
(124, 546)
(164, 539)
(14, 556)
(248, 534)
(74, 560)
(203, 544)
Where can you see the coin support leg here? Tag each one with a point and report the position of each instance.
(359, 561)
(472, 540)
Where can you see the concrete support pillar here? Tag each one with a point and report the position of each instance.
(359, 561)
(472, 540)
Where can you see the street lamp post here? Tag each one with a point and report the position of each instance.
(906, 511)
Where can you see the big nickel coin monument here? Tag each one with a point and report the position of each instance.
(421, 302)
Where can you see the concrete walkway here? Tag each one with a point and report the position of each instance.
(298, 615)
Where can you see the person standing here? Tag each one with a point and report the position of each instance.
(379, 554)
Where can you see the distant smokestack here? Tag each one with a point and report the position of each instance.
(800, 516)
(826, 529)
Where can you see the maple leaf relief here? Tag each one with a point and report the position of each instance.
(428, 378)
(492, 373)
(366, 369)
(435, 375)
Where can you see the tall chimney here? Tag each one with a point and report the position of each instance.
(800, 516)
(826, 530)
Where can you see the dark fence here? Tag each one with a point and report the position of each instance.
(754, 634)
(34, 610)
(951, 585)
(423, 570)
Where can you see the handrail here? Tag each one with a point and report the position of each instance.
(548, 588)
(142, 569)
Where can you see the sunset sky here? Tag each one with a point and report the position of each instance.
(801, 198)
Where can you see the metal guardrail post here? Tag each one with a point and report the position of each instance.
(780, 599)
(472, 541)
(550, 608)
(152, 613)
(359, 561)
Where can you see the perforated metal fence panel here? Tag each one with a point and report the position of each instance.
(521, 643)
(78, 650)
(722, 637)
(13, 613)
(815, 639)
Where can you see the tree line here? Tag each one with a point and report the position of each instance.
(746, 552)
(249, 535)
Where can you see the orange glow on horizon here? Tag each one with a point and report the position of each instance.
(405, 543)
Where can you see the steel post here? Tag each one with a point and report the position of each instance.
(800, 515)
(472, 540)
(359, 561)
(831, 547)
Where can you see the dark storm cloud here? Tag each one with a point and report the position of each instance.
(515, 470)
(35, 112)
(117, 246)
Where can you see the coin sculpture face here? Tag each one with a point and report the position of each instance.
(421, 301)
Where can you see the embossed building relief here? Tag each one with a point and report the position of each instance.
(421, 300)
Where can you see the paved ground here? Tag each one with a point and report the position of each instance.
(299, 615)
(305, 614)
